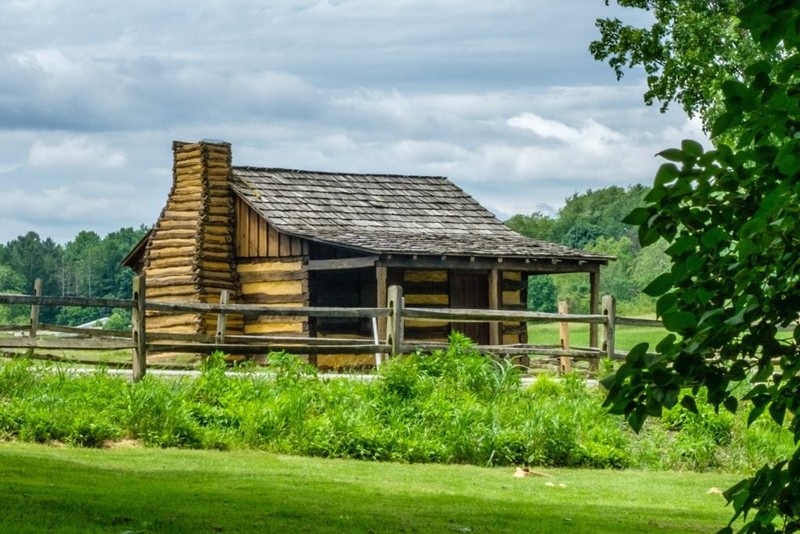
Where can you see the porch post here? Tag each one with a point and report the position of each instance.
(380, 277)
(594, 309)
(494, 304)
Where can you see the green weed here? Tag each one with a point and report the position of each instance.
(450, 406)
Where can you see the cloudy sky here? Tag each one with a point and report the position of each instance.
(501, 96)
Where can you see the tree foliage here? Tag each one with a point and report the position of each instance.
(731, 219)
(87, 266)
(692, 48)
(586, 216)
(542, 294)
(592, 221)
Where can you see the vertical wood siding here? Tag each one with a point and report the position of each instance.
(256, 238)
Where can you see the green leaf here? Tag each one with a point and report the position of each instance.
(737, 95)
(682, 245)
(788, 68)
(655, 195)
(670, 398)
(692, 148)
(689, 403)
(736, 319)
(660, 285)
(755, 413)
(666, 343)
(777, 410)
(759, 67)
(637, 353)
(666, 173)
(637, 417)
(738, 489)
(731, 404)
(713, 237)
(763, 372)
(724, 122)
(608, 381)
(673, 154)
(678, 321)
(666, 303)
(774, 200)
(637, 217)
(756, 391)
(648, 236)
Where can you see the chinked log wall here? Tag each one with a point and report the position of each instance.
(427, 289)
(279, 282)
(432, 289)
(190, 255)
(142, 339)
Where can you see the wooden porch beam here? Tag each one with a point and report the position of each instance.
(545, 266)
(342, 263)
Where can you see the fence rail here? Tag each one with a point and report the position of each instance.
(394, 314)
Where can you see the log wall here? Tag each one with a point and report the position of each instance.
(433, 289)
(190, 254)
(276, 282)
(514, 296)
(426, 289)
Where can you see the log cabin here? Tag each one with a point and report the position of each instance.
(307, 238)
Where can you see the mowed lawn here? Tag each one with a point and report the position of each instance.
(626, 337)
(130, 489)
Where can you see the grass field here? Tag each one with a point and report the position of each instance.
(625, 336)
(133, 489)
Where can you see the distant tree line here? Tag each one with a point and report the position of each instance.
(87, 266)
(591, 221)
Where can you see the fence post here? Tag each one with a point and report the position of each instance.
(594, 304)
(37, 291)
(563, 328)
(394, 322)
(138, 329)
(610, 311)
(222, 319)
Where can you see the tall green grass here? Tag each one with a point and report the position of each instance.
(450, 406)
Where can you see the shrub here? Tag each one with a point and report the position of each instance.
(452, 405)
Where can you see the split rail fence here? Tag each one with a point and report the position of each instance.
(141, 342)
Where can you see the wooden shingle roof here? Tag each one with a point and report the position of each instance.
(386, 214)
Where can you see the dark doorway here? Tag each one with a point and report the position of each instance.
(470, 290)
(345, 288)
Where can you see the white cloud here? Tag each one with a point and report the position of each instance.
(75, 152)
(545, 127)
(57, 204)
(500, 96)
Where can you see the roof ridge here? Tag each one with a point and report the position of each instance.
(332, 173)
